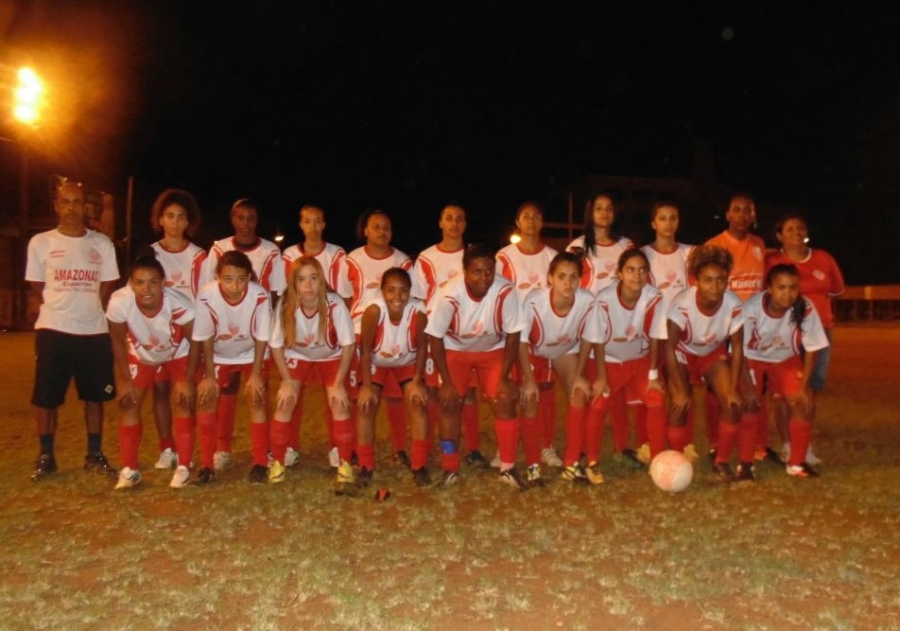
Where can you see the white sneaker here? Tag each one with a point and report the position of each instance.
(221, 460)
(550, 458)
(334, 458)
(168, 459)
(291, 457)
(180, 478)
(128, 478)
(811, 458)
(495, 461)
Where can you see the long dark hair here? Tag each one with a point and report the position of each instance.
(798, 309)
(590, 239)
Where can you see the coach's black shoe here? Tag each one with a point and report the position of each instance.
(724, 471)
(476, 459)
(45, 465)
(745, 472)
(258, 474)
(401, 457)
(97, 462)
(205, 476)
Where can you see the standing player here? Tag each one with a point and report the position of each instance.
(703, 321)
(176, 216)
(232, 321)
(525, 264)
(150, 326)
(365, 265)
(475, 325)
(393, 334)
(560, 327)
(312, 334)
(72, 271)
(265, 257)
(779, 325)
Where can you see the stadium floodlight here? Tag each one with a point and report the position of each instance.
(28, 92)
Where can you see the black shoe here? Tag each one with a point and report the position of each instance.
(630, 457)
(45, 465)
(513, 478)
(724, 471)
(745, 472)
(363, 477)
(258, 474)
(205, 476)
(476, 459)
(712, 457)
(772, 456)
(98, 462)
(422, 478)
(401, 458)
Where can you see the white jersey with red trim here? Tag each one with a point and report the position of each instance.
(308, 344)
(668, 270)
(525, 271)
(72, 270)
(600, 265)
(396, 344)
(701, 333)
(235, 328)
(265, 258)
(467, 324)
(332, 257)
(156, 339)
(553, 335)
(775, 339)
(364, 279)
(626, 333)
(433, 269)
(185, 270)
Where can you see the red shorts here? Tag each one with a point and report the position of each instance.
(540, 366)
(629, 378)
(320, 372)
(224, 372)
(387, 377)
(488, 367)
(699, 366)
(781, 379)
(144, 375)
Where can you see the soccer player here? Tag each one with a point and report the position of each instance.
(265, 257)
(631, 325)
(232, 321)
(475, 325)
(525, 264)
(365, 265)
(150, 326)
(312, 334)
(392, 341)
(779, 324)
(71, 269)
(560, 329)
(176, 217)
(703, 321)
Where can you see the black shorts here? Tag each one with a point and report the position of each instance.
(62, 356)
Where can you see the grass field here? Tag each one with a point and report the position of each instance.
(781, 553)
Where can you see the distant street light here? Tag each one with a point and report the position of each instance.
(515, 237)
(27, 105)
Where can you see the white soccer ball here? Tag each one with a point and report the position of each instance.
(671, 471)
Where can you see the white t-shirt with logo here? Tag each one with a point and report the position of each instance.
(701, 334)
(156, 339)
(331, 257)
(234, 327)
(553, 335)
(308, 345)
(626, 333)
(185, 270)
(265, 259)
(771, 339)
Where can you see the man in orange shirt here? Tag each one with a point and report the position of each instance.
(747, 250)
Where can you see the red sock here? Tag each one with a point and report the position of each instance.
(593, 432)
(344, 438)
(507, 431)
(747, 435)
(366, 455)
(655, 418)
(420, 453)
(206, 429)
(801, 435)
(678, 437)
(130, 443)
(761, 431)
(575, 426)
(280, 438)
(183, 427)
(259, 443)
(296, 422)
(450, 462)
(397, 419)
(727, 436)
(470, 425)
(225, 413)
(547, 414)
(167, 443)
(713, 413)
(640, 424)
(619, 414)
(531, 439)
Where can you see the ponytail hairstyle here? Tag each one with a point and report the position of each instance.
(146, 259)
(290, 302)
(590, 239)
(798, 309)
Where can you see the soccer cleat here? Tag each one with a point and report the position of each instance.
(724, 471)
(690, 452)
(334, 458)
(449, 478)
(550, 458)
(514, 479)
(128, 478)
(422, 478)
(643, 454)
(222, 460)
(45, 465)
(802, 470)
(291, 457)
(745, 472)
(593, 475)
(533, 476)
(345, 474)
(276, 473)
(258, 474)
(97, 462)
(574, 474)
(769, 454)
(629, 457)
(476, 459)
(168, 459)
(205, 476)
(181, 477)
(402, 458)
(495, 461)
(364, 477)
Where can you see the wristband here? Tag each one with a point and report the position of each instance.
(653, 374)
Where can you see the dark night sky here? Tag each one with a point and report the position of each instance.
(406, 105)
